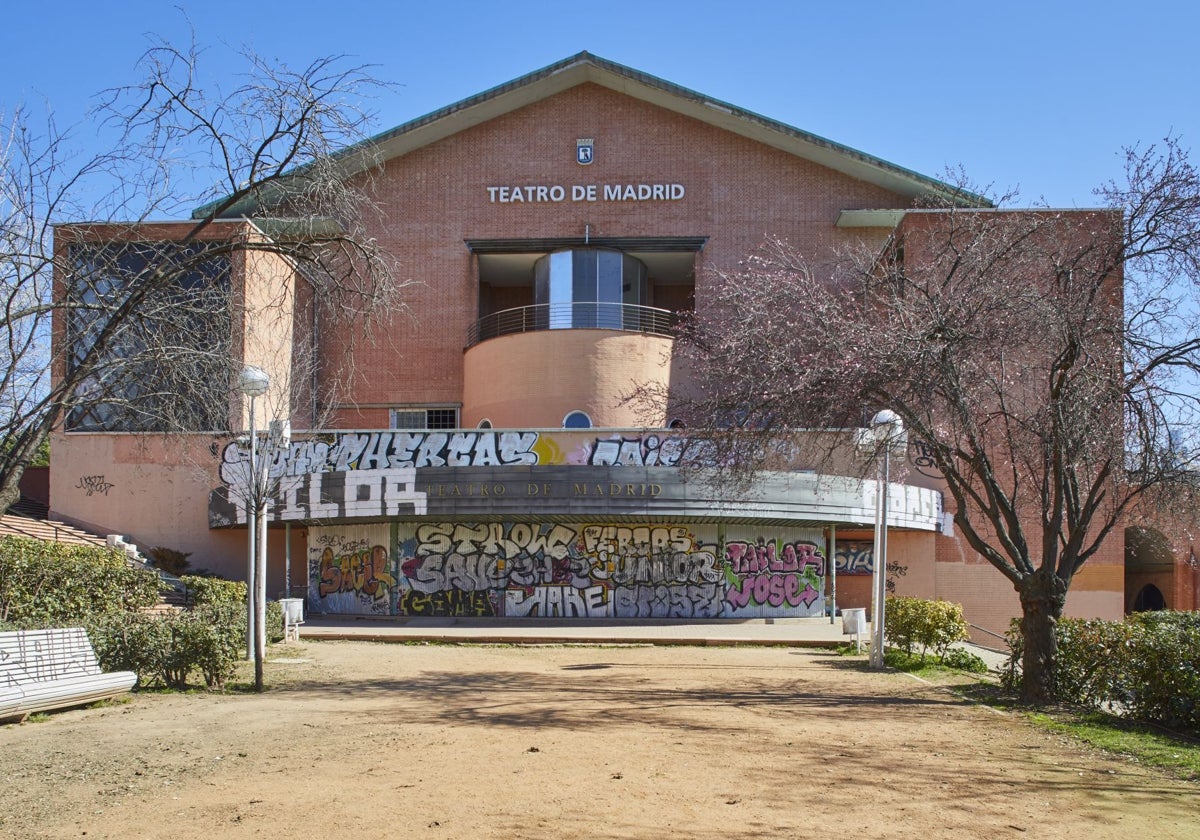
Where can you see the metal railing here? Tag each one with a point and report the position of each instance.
(573, 316)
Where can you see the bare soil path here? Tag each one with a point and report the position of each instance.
(378, 741)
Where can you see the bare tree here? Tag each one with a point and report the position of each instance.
(1046, 360)
(151, 322)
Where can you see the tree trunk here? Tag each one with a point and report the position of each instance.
(1043, 596)
(10, 488)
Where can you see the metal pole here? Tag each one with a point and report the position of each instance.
(832, 572)
(260, 593)
(881, 565)
(251, 511)
(287, 559)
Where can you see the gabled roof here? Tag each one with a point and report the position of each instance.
(584, 68)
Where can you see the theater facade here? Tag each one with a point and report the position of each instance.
(484, 460)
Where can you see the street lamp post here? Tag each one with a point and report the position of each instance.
(887, 430)
(254, 382)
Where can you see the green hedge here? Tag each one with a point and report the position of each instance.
(931, 625)
(1146, 667)
(52, 585)
(167, 649)
(44, 584)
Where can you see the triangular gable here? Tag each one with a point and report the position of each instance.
(587, 68)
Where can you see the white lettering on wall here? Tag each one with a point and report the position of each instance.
(556, 193)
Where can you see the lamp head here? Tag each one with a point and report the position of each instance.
(887, 417)
(253, 381)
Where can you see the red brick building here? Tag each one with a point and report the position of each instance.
(484, 461)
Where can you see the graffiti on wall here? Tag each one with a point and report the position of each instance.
(855, 557)
(387, 450)
(92, 484)
(557, 570)
(649, 450)
(351, 570)
(923, 458)
(774, 576)
(354, 493)
(384, 451)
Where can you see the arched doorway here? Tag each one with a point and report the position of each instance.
(1149, 598)
(1149, 570)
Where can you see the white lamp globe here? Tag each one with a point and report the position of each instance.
(253, 381)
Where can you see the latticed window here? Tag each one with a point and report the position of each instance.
(432, 417)
(149, 329)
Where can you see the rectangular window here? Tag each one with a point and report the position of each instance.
(428, 417)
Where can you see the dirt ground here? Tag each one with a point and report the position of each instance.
(372, 740)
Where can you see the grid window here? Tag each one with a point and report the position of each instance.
(440, 417)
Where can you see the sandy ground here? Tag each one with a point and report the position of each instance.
(374, 740)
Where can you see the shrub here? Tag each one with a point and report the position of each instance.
(171, 561)
(934, 625)
(1163, 669)
(230, 595)
(210, 590)
(133, 642)
(167, 649)
(1147, 667)
(53, 585)
(45, 584)
(964, 660)
(1092, 657)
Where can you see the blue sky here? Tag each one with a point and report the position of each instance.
(1036, 95)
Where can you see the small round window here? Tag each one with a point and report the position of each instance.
(577, 420)
(484, 424)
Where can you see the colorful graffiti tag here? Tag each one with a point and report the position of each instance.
(371, 451)
(777, 577)
(351, 571)
(556, 570)
(855, 557)
(649, 450)
(529, 569)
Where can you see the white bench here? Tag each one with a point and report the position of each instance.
(42, 670)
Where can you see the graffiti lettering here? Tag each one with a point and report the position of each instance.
(775, 590)
(449, 603)
(356, 493)
(362, 572)
(692, 601)
(498, 538)
(923, 458)
(756, 558)
(435, 572)
(372, 451)
(644, 451)
(767, 577)
(681, 567)
(558, 602)
(91, 484)
(621, 540)
(855, 557)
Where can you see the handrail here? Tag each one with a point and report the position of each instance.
(575, 315)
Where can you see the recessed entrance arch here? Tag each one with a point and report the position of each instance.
(1149, 570)
(1149, 598)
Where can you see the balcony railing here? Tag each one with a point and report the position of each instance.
(573, 316)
